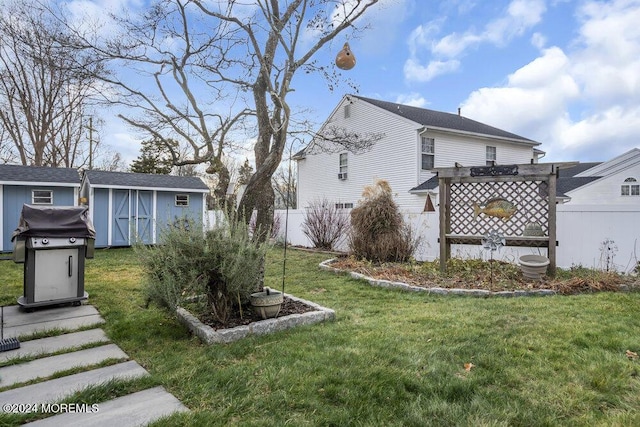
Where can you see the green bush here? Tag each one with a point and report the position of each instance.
(378, 231)
(224, 264)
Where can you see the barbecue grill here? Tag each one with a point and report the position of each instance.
(53, 242)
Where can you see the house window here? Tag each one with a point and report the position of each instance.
(182, 200)
(491, 155)
(347, 111)
(42, 197)
(342, 172)
(631, 187)
(428, 153)
(344, 205)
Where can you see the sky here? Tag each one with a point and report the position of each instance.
(560, 72)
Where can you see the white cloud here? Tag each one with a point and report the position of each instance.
(538, 40)
(582, 104)
(608, 60)
(413, 99)
(519, 16)
(534, 96)
(421, 36)
(414, 71)
(383, 22)
(96, 16)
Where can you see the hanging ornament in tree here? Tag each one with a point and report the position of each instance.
(345, 59)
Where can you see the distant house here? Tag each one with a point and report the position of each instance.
(412, 142)
(126, 207)
(615, 181)
(21, 185)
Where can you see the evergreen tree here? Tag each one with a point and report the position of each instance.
(244, 173)
(153, 158)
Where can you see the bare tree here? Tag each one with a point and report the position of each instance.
(285, 185)
(45, 88)
(111, 162)
(221, 69)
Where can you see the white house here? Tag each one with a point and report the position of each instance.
(409, 142)
(616, 181)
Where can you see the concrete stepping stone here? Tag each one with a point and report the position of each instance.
(135, 409)
(54, 344)
(59, 388)
(19, 322)
(48, 366)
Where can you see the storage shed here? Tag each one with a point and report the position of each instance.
(34, 185)
(126, 207)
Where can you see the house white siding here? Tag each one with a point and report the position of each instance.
(394, 159)
(606, 190)
(471, 151)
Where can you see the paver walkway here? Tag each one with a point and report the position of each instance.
(136, 409)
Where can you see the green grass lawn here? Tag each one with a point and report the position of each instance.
(390, 358)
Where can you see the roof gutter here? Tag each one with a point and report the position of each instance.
(482, 135)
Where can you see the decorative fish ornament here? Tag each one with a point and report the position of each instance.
(498, 207)
(345, 60)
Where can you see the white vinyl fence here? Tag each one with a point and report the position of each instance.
(582, 231)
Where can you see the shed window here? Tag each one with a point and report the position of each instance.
(631, 187)
(428, 149)
(42, 197)
(182, 200)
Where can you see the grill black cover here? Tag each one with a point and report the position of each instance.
(54, 221)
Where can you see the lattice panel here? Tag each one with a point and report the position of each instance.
(527, 196)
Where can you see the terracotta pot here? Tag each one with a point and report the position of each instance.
(267, 303)
(533, 266)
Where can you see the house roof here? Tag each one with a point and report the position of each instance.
(567, 181)
(39, 174)
(142, 180)
(444, 121)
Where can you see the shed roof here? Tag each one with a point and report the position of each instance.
(142, 180)
(39, 174)
(446, 121)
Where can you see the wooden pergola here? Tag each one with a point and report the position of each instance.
(530, 187)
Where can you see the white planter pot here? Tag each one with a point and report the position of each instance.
(533, 266)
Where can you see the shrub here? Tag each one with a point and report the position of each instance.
(378, 231)
(324, 224)
(224, 264)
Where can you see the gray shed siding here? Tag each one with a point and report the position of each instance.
(168, 212)
(139, 214)
(14, 196)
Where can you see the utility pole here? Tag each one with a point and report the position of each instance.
(91, 143)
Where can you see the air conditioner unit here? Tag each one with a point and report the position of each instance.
(342, 176)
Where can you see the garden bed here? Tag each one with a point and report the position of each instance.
(475, 278)
(294, 312)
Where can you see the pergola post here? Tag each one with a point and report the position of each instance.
(444, 188)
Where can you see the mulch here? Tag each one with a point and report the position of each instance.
(480, 279)
(288, 307)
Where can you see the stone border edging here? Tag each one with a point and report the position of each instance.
(325, 265)
(208, 335)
